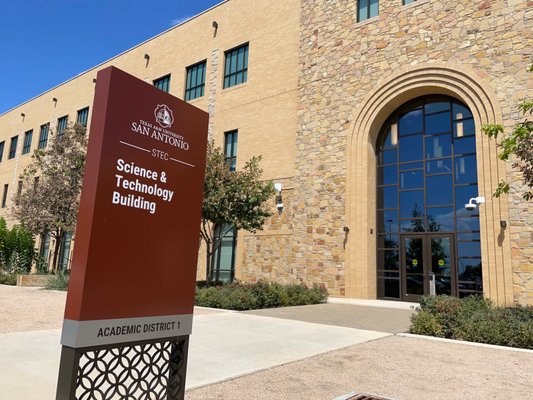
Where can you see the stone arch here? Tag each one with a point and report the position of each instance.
(409, 83)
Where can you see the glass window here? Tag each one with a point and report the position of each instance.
(43, 136)
(224, 256)
(44, 249)
(441, 219)
(4, 195)
(195, 81)
(435, 107)
(27, 142)
(367, 9)
(460, 112)
(468, 224)
(64, 253)
(389, 259)
(61, 125)
(412, 204)
(2, 145)
(438, 123)
(389, 156)
(411, 148)
(408, 2)
(230, 149)
(464, 128)
(83, 116)
(413, 179)
(438, 146)
(439, 189)
(13, 147)
(236, 66)
(411, 122)
(388, 221)
(464, 145)
(439, 166)
(465, 169)
(387, 241)
(163, 83)
(388, 175)
(388, 197)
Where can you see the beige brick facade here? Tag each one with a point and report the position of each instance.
(320, 86)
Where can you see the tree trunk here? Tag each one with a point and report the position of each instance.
(57, 246)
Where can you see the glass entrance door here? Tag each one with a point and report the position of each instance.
(426, 258)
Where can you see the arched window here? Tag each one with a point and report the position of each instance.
(426, 173)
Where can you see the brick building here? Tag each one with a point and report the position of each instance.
(368, 113)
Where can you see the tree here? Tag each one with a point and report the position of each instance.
(232, 198)
(518, 146)
(52, 185)
(16, 249)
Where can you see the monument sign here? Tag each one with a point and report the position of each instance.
(134, 265)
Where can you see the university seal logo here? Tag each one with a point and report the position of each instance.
(163, 115)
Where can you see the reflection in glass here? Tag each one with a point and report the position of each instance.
(388, 197)
(438, 123)
(468, 224)
(412, 225)
(439, 190)
(464, 145)
(411, 204)
(389, 259)
(439, 166)
(412, 179)
(411, 148)
(388, 241)
(388, 221)
(440, 219)
(437, 106)
(469, 249)
(460, 112)
(413, 165)
(464, 128)
(411, 122)
(465, 169)
(438, 146)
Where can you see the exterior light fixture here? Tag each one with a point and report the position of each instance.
(22, 115)
(146, 56)
(279, 200)
(215, 24)
(473, 202)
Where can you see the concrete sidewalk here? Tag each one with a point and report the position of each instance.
(223, 346)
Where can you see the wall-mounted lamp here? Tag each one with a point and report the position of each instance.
(54, 99)
(279, 200)
(473, 202)
(94, 80)
(215, 24)
(346, 229)
(146, 56)
(22, 115)
(503, 224)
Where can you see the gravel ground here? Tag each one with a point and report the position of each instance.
(396, 367)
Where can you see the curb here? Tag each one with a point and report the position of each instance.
(463, 342)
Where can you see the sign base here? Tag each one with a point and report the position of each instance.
(151, 369)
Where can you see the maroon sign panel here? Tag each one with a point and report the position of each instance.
(134, 264)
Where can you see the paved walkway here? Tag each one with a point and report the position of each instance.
(350, 316)
(310, 352)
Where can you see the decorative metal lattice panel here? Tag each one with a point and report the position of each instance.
(148, 371)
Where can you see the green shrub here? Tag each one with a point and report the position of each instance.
(8, 279)
(474, 319)
(58, 282)
(250, 296)
(16, 249)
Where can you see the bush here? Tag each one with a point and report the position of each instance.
(8, 279)
(16, 249)
(474, 319)
(58, 282)
(251, 296)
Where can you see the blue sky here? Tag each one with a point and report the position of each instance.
(45, 42)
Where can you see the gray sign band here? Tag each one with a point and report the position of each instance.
(78, 334)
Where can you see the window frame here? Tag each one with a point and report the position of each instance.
(43, 136)
(163, 83)
(241, 72)
(13, 147)
(231, 138)
(62, 123)
(194, 88)
(82, 116)
(28, 137)
(368, 15)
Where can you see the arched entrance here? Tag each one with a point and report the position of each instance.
(390, 94)
(426, 173)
